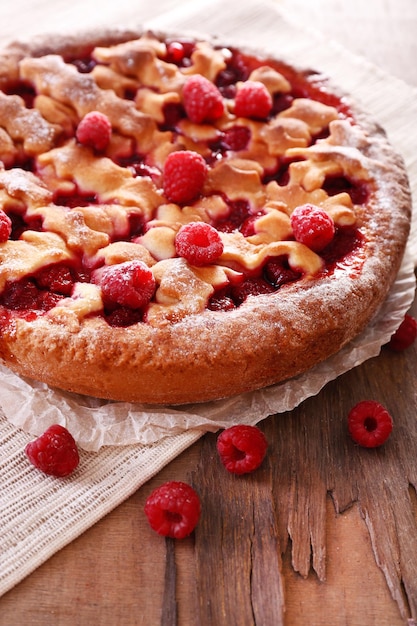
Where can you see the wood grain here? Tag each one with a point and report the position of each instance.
(325, 532)
(315, 471)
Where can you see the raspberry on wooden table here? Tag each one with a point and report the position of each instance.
(55, 452)
(184, 176)
(202, 100)
(369, 424)
(312, 226)
(242, 448)
(173, 509)
(253, 100)
(405, 335)
(94, 130)
(198, 243)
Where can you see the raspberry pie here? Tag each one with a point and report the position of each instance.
(182, 220)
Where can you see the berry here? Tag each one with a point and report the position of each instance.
(184, 175)
(48, 300)
(220, 301)
(173, 509)
(94, 131)
(130, 284)
(5, 226)
(405, 334)
(203, 102)
(279, 273)
(236, 138)
(242, 448)
(123, 317)
(21, 295)
(55, 452)
(312, 226)
(253, 100)
(240, 212)
(198, 243)
(251, 287)
(57, 278)
(175, 52)
(369, 424)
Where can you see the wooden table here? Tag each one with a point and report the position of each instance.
(304, 530)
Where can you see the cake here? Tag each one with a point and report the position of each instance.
(183, 220)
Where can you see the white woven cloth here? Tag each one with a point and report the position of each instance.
(39, 514)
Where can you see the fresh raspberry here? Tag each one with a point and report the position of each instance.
(253, 100)
(5, 226)
(94, 131)
(203, 102)
(242, 448)
(312, 226)
(369, 424)
(173, 509)
(129, 284)
(198, 243)
(55, 452)
(255, 286)
(405, 334)
(184, 175)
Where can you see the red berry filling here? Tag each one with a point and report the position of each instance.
(369, 424)
(255, 286)
(55, 452)
(278, 272)
(23, 89)
(405, 335)
(127, 289)
(40, 292)
(236, 138)
(173, 509)
(198, 243)
(57, 278)
(242, 448)
(240, 212)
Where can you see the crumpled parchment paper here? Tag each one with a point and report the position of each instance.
(94, 423)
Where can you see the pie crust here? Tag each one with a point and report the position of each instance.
(77, 208)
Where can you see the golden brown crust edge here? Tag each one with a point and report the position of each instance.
(266, 340)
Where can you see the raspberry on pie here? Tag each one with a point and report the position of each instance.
(182, 220)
